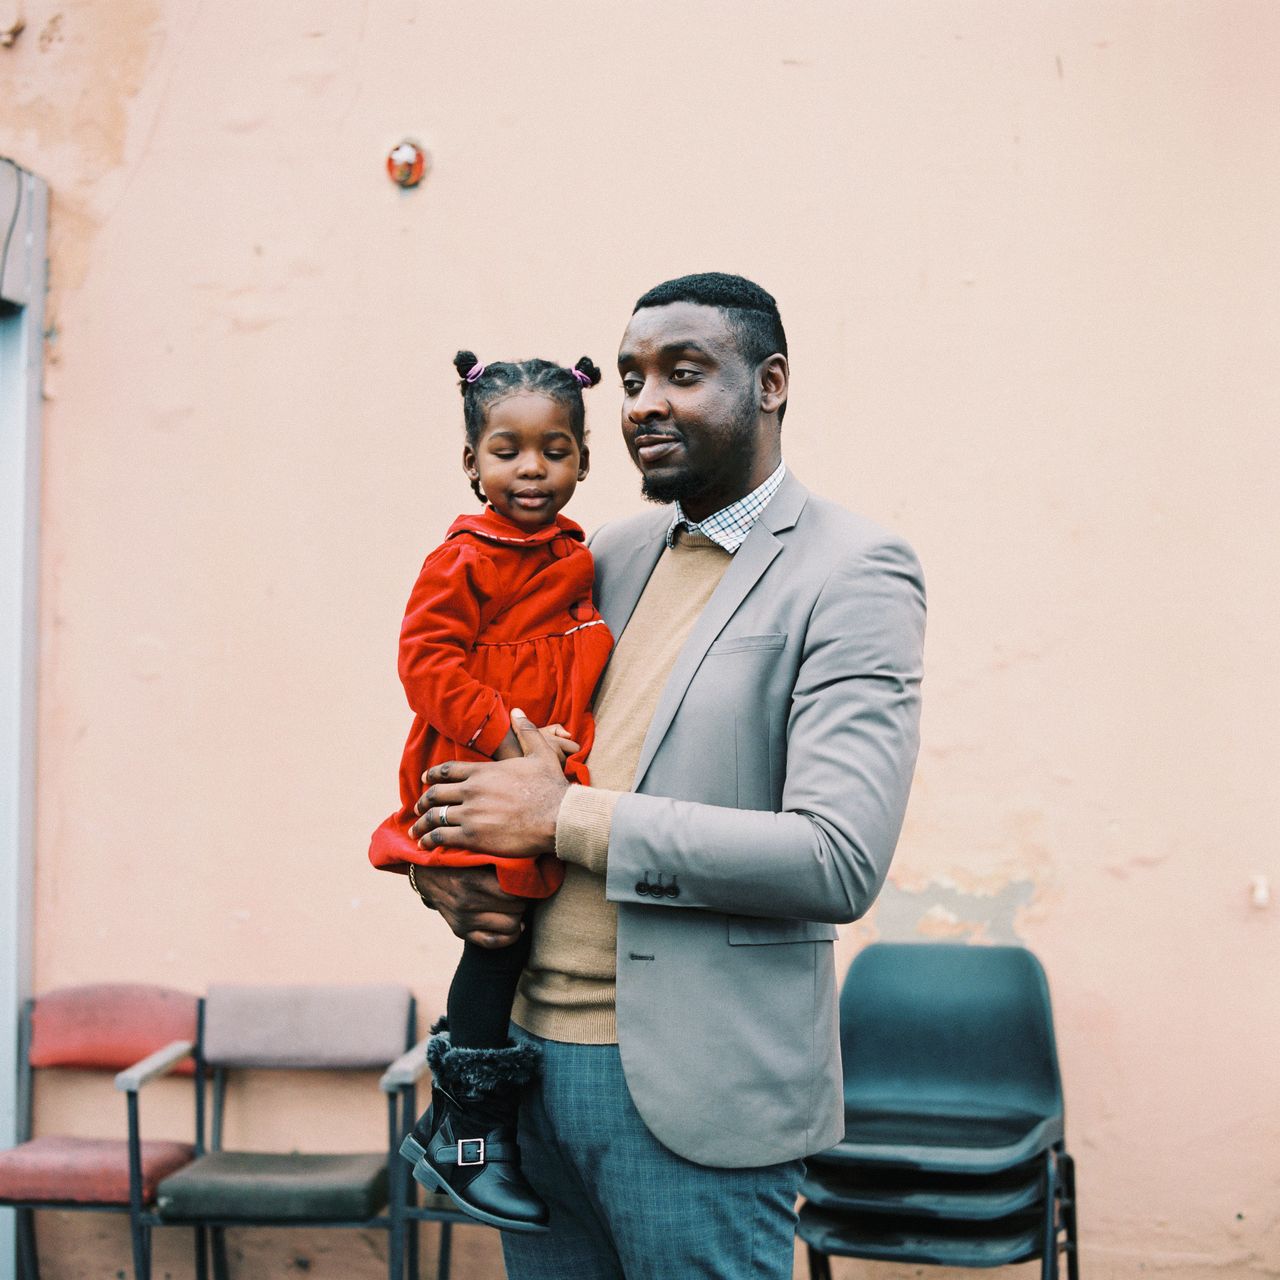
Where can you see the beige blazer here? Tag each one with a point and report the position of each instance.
(769, 794)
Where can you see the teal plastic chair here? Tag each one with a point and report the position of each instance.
(954, 1150)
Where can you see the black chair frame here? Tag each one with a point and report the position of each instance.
(1009, 1198)
(141, 1219)
(400, 1083)
(1056, 1236)
(400, 1216)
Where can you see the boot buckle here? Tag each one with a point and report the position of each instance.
(470, 1151)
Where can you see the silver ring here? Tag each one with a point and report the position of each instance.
(444, 815)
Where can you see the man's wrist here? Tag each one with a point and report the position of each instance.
(583, 824)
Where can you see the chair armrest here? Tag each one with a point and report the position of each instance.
(159, 1063)
(407, 1069)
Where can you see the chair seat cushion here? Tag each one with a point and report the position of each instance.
(60, 1170)
(252, 1186)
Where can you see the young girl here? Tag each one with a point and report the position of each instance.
(501, 616)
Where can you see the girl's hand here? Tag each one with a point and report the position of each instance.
(558, 736)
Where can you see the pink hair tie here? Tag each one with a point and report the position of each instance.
(475, 371)
(583, 378)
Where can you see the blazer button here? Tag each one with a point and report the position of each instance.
(643, 887)
(671, 890)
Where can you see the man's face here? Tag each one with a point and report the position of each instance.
(691, 408)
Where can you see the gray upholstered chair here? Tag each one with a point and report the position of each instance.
(299, 1028)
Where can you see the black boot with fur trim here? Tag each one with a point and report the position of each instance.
(465, 1145)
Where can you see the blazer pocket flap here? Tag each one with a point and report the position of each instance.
(758, 931)
(739, 644)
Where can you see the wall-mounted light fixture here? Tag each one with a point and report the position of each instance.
(407, 164)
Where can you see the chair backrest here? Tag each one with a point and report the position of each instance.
(940, 1023)
(329, 1028)
(108, 1026)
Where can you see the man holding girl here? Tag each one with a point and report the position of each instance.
(755, 733)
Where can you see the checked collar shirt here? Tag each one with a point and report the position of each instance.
(728, 527)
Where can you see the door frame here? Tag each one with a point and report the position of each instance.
(24, 215)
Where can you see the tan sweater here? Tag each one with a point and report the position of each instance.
(567, 991)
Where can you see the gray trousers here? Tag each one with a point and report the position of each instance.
(624, 1207)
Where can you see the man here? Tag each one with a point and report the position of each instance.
(756, 732)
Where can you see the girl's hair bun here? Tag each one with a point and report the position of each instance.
(464, 362)
(587, 367)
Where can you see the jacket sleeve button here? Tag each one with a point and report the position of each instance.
(642, 888)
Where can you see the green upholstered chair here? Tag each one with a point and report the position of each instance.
(295, 1028)
(138, 1030)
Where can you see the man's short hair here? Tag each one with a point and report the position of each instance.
(751, 311)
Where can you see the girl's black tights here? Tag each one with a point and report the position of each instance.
(483, 991)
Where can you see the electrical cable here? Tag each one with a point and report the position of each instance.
(13, 221)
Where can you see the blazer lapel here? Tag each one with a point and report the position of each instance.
(619, 589)
(757, 553)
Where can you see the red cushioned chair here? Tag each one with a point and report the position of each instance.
(141, 1032)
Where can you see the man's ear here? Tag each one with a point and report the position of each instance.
(775, 380)
(584, 462)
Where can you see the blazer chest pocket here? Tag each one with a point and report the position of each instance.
(747, 644)
(759, 931)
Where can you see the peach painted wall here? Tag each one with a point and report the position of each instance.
(1028, 260)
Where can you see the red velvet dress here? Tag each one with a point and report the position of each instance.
(498, 618)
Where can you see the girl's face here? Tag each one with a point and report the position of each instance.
(527, 460)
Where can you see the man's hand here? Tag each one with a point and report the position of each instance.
(507, 808)
(473, 904)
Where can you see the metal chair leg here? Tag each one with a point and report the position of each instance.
(218, 1242)
(413, 1261)
(28, 1262)
(1069, 1216)
(402, 1249)
(819, 1265)
(445, 1258)
(396, 1241)
(202, 1253)
(1049, 1240)
(140, 1238)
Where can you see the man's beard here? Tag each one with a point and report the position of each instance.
(740, 445)
(676, 488)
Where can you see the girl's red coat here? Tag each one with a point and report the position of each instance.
(498, 618)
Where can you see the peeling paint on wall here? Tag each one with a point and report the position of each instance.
(68, 98)
(12, 23)
(938, 909)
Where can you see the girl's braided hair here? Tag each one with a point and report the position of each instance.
(482, 385)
